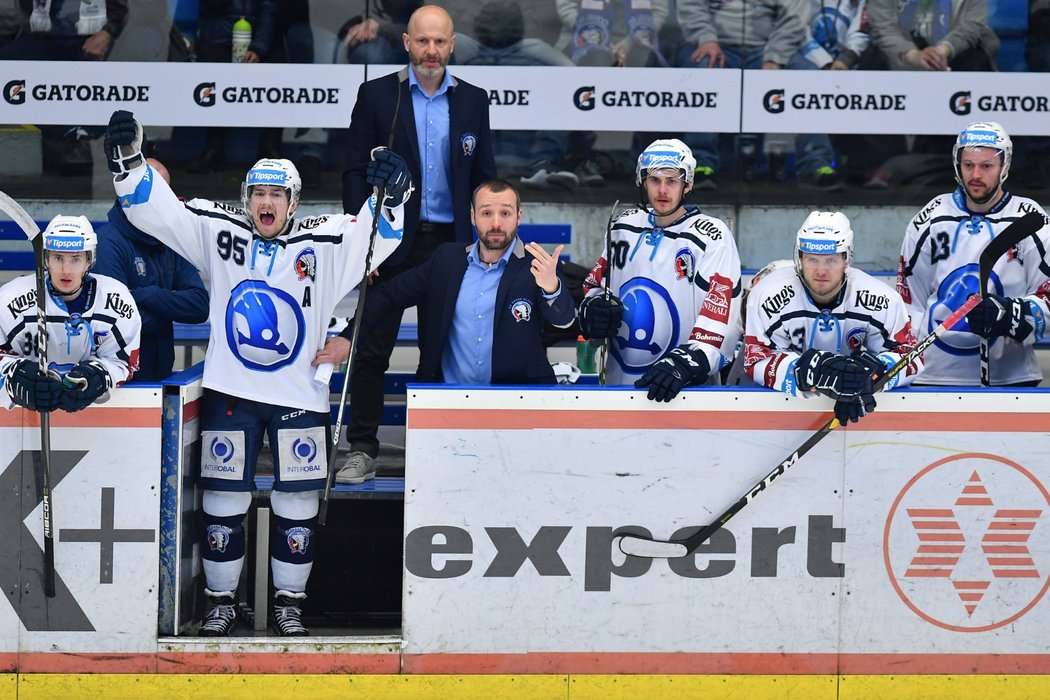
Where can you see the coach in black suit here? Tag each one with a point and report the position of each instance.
(441, 127)
(490, 300)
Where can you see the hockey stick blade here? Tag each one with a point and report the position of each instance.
(19, 215)
(1007, 239)
(647, 547)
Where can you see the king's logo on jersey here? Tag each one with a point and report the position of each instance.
(264, 326)
(650, 326)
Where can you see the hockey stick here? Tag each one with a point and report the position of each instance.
(638, 546)
(608, 285)
(380, 194)
(32, 232)
(1011, 236)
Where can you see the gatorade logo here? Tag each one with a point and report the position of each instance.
(959, 103)
(583, 98)
(773, 101)
(15, 92)
(204, 94)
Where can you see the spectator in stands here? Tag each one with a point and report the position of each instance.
(67, 30)
(488, 305)
(166, 288)
(441, 124)
(1037, 41)
(938, 269)
(215, 45)
(739, 34)
(377, 37)
(837, 34)
(933, 35)
(606, 33)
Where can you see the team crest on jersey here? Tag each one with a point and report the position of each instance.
(98, 338)
(218, 537)
(468, 142)
(306, 265)
(298, 539)
(650, 328)
(265, 326)
(855, 340)
(684, 265)
(521, 310)
(952, 293)
(140, 266)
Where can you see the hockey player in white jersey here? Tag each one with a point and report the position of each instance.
(274, 281)
(676, 281)
(938, 270)
(822, 326)
(92, 327)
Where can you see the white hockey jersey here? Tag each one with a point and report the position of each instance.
(938, 271)
(783, 322)
(270, 301)
(678, 284)
(107, 329)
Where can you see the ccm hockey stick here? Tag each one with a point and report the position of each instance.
(608, 284)
(1011, 236)
(639, 546)
(333, 454)
(32, 232)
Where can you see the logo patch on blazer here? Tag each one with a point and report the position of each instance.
(469, 142)
(521, 310)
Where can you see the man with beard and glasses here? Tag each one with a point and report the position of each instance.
(938, 270)
(488, 301)
(441, 125)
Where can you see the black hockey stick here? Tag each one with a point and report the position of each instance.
(1011, 236)
(638, 546)
(333, 454)
(608, 285)
(32, 232)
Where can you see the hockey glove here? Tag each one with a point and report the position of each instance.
(600, 317)
(854, 408)
(831, 374)
(872, 363)
(389, 172)
(673, 373)
(28, 387)
(83, 385)
(998, 316)
(123, 142)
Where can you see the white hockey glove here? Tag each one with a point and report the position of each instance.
(123, 142)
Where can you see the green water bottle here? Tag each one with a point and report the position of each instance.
(585, 355)
(242, 39)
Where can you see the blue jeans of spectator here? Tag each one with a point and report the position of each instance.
(813, 151)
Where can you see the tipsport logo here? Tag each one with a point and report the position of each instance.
(965, 543)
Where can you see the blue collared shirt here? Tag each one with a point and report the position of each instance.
(432, 135)
(468, 355)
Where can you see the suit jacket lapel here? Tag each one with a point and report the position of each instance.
(515, 265)
(407, 115)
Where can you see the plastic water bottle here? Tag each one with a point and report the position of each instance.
(242, 39)
(585, 356)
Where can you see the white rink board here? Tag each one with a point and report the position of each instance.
(826, 562)
(105, 513)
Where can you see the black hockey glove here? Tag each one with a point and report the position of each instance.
(854, 408)
(28, 387)
(600, 317)
(83, 385)
(123, 142)
(389, 172)
(673, 373)
(831, 374)
(998, 316)
(871, 362)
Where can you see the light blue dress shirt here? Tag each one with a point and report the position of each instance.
(432, 135)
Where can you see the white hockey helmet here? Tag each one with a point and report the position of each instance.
(280, 172)
(824, 233)
(983, 135)
(71, 234)
(666, 153)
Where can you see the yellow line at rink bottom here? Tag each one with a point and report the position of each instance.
(533, 687)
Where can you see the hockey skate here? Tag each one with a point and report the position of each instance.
(287, 615)
(222, 617)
